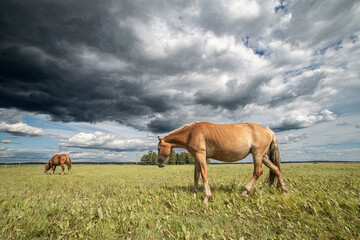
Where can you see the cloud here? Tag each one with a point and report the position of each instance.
(236, 94)
(12, 123)
(21, 129)
(95, 156)
(10, 116)
(293, 138)
(101, 140)
(343, 124)
(302, 121)
(331, 21)
(5, 141)
(8, 155)
(159, 66)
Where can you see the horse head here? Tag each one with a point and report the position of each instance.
(164, 151)
(47, 167)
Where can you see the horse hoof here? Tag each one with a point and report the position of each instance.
(207, 199)
(245, 194)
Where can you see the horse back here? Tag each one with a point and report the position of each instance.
(231, 132)
(59, 159)
(230, 142)
(64, 159)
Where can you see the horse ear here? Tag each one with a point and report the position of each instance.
(160, 138)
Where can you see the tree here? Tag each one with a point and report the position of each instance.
(175, 158)
(172, 158)
(191, 158)
(149, 159)
(145, 159)
(183, 158)
(153, 157)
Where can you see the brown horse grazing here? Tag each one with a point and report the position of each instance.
(227, 143)
(56, 160)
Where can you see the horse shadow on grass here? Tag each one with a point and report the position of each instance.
(56, 174)
(231, 188)
(226, 189)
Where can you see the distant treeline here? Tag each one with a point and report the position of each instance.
(83, 163)
(136, 163)
(175, 158)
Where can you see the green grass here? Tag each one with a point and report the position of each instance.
(145, 202)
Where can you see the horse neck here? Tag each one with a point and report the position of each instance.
(179, 138)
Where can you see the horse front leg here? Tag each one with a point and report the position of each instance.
(201, 159)
(196, 177)
(53, 170)
(63, 169)
(256, 174)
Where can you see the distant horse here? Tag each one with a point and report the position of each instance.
(58, 160)
(227, 143)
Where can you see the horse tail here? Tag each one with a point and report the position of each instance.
(274, 157)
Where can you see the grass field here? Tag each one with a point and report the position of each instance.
(145, 202)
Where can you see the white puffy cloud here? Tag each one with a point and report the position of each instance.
(21, 129)
(246, 9)
(95, 156)
(293, 138)
(298, 121)
(101, 140)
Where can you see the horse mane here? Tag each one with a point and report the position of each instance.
(181, 128)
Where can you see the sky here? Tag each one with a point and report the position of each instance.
(100, 80)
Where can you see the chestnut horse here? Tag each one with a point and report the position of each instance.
(227, 143)
(58, 160)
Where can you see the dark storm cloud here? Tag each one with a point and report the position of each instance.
(289, 124)
(41, 71)
(293, 90)
(150, 66)
(165, 124)
(235, 95)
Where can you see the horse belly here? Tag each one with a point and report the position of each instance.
(230, 151)
(55, 162)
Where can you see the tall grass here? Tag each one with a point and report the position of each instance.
(145, 202)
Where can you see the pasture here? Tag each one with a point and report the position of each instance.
(145, 202)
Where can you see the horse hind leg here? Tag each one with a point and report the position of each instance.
(273, 168)
(196, 177)
(256, 174)
(69, 167)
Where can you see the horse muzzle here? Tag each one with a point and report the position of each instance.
(161, 165)
(161, 161)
